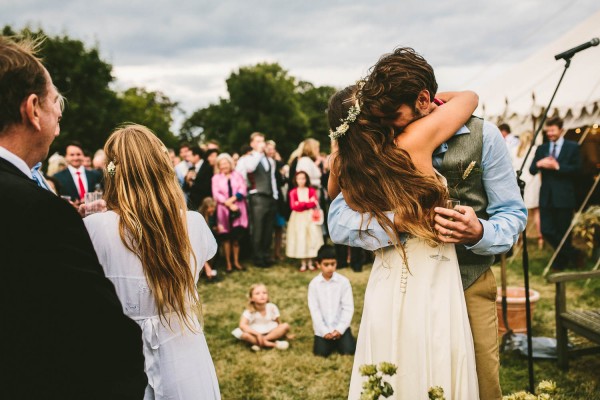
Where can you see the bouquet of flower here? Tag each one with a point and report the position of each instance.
(375, 386)
(544, 390)
(436, 393)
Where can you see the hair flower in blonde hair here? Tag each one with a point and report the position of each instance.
(111, 169)
(343, 128)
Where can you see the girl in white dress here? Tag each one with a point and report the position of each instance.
(152, 250)
(414, 313)
(260, 325)
(304, 237)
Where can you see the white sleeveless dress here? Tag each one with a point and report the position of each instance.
(177, 360)
(417, 319)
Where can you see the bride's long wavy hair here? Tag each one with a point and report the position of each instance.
(377, 176)
(144, 191)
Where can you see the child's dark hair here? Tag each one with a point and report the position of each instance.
(326, 252)
(307, 184)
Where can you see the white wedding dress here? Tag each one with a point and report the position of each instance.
(416, 318)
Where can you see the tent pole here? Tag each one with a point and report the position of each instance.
(521, 184)
(571, 226)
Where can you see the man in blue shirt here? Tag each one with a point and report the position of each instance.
(488, 222)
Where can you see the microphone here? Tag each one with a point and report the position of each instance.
(570, 53)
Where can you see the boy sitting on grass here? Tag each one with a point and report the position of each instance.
(331, 307)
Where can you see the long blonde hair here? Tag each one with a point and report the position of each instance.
(143, 189)
(525, 139)
(309, 149)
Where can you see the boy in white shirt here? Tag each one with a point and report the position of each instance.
(331, 307)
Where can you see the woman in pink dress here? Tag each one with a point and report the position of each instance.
(229, 190)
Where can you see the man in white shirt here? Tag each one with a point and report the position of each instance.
(510, 139)
(76, 180)
(181, 169)
(331, 307)
(262, 194)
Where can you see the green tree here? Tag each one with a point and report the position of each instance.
(152, 109)
(264, 98)
(93, 109)
(314, 100)
(84, 79)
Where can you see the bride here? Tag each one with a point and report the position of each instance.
(414, 313)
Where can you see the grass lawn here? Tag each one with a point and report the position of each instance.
(297, 374)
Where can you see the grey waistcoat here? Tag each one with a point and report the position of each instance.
(462, 150)
(262, 179)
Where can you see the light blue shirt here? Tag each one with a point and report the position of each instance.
(38, 177)
(557, 146)
(506, 210)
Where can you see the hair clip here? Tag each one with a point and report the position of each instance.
(111, 169)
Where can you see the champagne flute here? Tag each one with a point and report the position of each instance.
(451, 204)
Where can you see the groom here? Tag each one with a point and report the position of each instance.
(478, 169)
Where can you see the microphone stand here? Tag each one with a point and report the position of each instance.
(521, 184)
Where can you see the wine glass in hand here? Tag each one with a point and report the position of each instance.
(450, 204)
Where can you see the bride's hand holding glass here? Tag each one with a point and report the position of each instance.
(451, 204)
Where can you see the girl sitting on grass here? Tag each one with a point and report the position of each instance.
(260, 325)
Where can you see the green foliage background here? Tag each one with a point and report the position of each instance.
(263, 97)
(93, 109)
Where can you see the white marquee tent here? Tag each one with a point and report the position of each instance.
(519, 95)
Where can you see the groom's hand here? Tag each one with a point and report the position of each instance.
(459, 225)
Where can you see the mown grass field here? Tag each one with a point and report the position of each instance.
(297, 374)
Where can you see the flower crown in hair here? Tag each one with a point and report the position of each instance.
(340, 131)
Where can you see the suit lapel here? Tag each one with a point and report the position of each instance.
(91, 180)
(564, 151)
(70, 188)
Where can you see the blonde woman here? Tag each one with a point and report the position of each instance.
(532, 182)
(152, 250)
(308, 162)
(229, 190)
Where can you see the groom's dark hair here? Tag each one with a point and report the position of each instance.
(396, 79)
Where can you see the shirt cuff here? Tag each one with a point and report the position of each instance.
(487, 240)
(322, 331)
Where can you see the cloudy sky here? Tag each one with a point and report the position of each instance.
(187, 48)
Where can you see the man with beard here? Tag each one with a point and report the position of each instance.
(479, 173)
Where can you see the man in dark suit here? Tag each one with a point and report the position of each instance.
(64, 334)
(76, 181)
(559, 161)
(201, 188)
